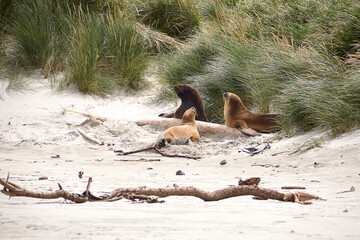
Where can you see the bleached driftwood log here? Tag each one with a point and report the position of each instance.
(88, 115)
(90, 138)
(203, 127)
(145, 193)
(232, 191)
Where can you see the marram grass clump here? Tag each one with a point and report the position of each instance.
(97, 45)
(107, 51)
(86, 55)
(127, 54)
(177, 18)
(34, 32)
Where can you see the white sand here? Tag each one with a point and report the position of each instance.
(34, 128)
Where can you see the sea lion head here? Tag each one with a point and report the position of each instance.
(232, 107)
(189, 116)
(232, 100)
(183, 91)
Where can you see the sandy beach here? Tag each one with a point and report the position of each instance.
(39, 138)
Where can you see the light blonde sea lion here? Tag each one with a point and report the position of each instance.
(238, 116)
(186, 129)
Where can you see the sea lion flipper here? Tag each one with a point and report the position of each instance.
(246, 130)
(249, 131)
(167, 115)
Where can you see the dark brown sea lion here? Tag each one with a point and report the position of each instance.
(238, 116)
(186, 129)
(189, 98)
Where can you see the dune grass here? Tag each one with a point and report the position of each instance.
(87, 53)
(183, 65)
(106, 51)
(34, 31)
(96, 43)
(126, 51)
(279, 56)
(177, 18)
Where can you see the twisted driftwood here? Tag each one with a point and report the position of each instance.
(232, 191)
(144, 193)
(13, 190)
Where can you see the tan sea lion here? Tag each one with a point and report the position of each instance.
(238, 116)
(189, 98)
(186, 129)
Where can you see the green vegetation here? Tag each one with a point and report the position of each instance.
(289, 57)
(86, 54)
(96, 43)
(309, 144)
(177, 18)
(297, 58)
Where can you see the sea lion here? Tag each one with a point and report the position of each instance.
(189, 98)
(238, 116)
(186, 129)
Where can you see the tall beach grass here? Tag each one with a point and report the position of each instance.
(177, 18)
(96, 43)
(126, 51)
(34, 32)
(87, 53)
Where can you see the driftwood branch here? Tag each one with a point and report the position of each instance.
(121, 152)
(88, 187)
(90, 138)
(232, 191)
(13, 190)
(138, 160)
(88, 115)
(144, 193)
(203, 127)
(154, 148)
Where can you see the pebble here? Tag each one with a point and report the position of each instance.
(179, 172)
(223, 162)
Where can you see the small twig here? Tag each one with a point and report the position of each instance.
(352, 189)
(94, 140)
(138, 160)
(38, 107)
(278, 153)
(264, 165)
(292, 187)
(103, 119)
(175, 155)
(121, 152)
(88, 187)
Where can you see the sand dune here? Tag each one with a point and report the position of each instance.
(35, 127)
